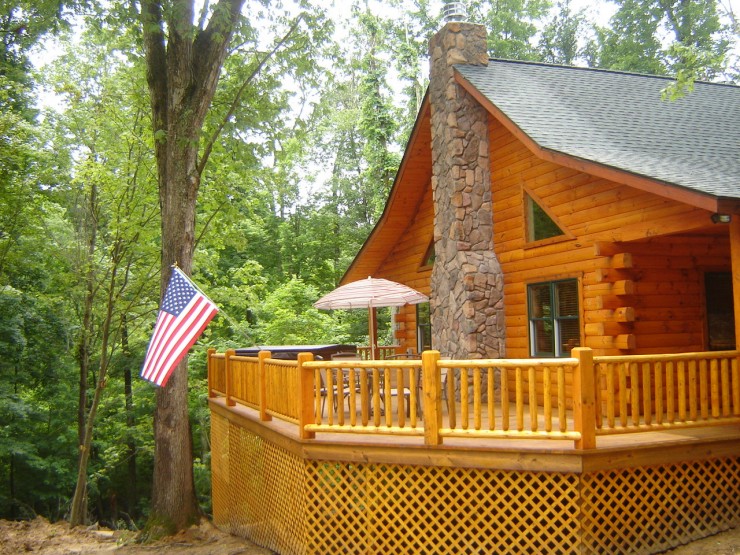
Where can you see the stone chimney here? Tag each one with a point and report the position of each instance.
(467, 308)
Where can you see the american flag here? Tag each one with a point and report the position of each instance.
(184, 314)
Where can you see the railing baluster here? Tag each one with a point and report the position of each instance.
(635, 390)
(610, 394)
(464, 406)
(703, 389)
(477, 398)
(623, 393)
(714, 386)
(519, 399)
(693, 391)
(647, 408)
(725, 372)
(451, 402)
(670, 391)
(533, 401)
(505, 399)
(547, 400)
(491, 398)
(658, 393)
(561, 399)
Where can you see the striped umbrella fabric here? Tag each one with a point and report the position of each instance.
(370, 293)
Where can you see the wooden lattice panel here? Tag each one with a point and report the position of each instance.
(337, 507)
(266, 496)
(650, 509)
(220, 470)
(379, 509)
(297, 506)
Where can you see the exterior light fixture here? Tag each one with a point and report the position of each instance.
(721, 218)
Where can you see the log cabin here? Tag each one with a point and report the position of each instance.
(579, 238)
(545, 207)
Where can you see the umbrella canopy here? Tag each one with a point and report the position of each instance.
(371, 293)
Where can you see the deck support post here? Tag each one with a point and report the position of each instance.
(305, 396)
(432, 397)
(227, 367)
(229, 353)
(584, 398)
(209, 370)
(262, 384)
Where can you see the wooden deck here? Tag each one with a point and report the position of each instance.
(637, 456)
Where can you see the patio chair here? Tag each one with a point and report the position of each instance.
(347, 387)
(405, 391)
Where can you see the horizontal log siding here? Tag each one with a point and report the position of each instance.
(663, 276)
(669, 291)
(404, 265)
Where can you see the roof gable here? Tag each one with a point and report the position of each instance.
(618, 120)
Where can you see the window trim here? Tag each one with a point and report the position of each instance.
(566, 236)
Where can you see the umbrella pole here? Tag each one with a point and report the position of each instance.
(372, 316)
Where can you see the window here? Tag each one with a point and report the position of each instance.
(554, 326)
(428, 260)
(540, 223)
(423, 328)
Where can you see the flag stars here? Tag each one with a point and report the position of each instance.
(178, 295)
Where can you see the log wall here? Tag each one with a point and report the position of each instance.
(639, 257)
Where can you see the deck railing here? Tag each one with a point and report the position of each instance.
(576, 398)
(651, 392)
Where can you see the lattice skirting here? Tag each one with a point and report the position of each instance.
(306, 507)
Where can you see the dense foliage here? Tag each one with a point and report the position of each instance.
(303, 148)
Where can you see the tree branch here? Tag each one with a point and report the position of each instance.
(237, 98)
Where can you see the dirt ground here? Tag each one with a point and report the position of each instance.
(39, 537)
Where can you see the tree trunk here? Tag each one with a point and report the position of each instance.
(131, 483)
(183, 68)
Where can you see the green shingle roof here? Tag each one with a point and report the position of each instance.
(619, 120)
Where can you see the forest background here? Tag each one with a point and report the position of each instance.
(308, 125)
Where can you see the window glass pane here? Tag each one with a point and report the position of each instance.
(543, 343)
(570, 336)
(541, 226)
(540, 303)
(566, 294)
(423, 327)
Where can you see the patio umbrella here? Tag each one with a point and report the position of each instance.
(370, 293)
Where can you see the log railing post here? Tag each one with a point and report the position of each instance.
(584, 398)
(209, 367)
(262, 384)
(305, 396)
(432, 397)
(227, 363)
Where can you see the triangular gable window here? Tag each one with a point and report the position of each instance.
(428, 260)
(540, 223)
